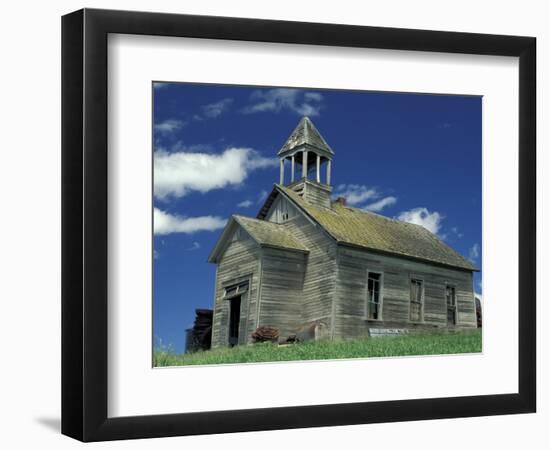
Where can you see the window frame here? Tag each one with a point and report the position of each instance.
(422, 298)
(241, 288)
(380, 317)
(453, 287)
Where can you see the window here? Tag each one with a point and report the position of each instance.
(450, 298)
(374, 301)
(450, 295)
(417, 293)
(236, 289)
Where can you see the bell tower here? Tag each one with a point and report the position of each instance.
(307, 153)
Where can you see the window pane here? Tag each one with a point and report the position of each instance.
(373, 310)
(373, 295)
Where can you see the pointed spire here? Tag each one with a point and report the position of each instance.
(306, 135)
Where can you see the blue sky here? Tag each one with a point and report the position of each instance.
(408, 156)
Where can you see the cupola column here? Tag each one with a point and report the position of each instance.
(318, 178)
(292, 169)
(329, 164)
(282, 171)
(304, 165)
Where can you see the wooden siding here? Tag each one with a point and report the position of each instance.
(239, 262)
(281, 211)
(320, 274)
(350, 295)
(317, 195)
(281, 289)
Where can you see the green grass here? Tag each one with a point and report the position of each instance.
(435, 343)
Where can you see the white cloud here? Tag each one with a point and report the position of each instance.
(195, 246)
(473, 253)
(276, 100)
(165, 223)
(169, 126)
(356, 194)
(313, 96)
(422, 216)
(380, 204)
(176, 174)
(364, 197)
(213, 110)
(158, 85)
(245, 204)
(457, 232)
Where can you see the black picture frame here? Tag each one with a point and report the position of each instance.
(84, 224)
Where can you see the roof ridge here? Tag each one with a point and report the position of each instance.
(255, 219)
(306, 121)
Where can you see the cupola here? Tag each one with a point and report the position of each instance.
(307, 155)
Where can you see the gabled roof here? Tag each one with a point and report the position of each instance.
(264, 233)
(361, 228)
(305, 134)
(269, 233)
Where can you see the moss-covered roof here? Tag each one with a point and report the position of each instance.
(366, 229)
(269, 233)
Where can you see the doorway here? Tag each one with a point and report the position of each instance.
(234, 320)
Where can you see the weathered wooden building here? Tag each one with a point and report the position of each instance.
(308, 262)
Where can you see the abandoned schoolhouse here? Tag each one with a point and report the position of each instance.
(310, 262)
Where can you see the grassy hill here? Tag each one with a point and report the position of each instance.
(436, 343)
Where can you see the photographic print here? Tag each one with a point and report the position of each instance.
(296, 224)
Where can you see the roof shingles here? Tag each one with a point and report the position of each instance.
(269, 233)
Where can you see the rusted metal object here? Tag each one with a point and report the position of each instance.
(266, 334)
